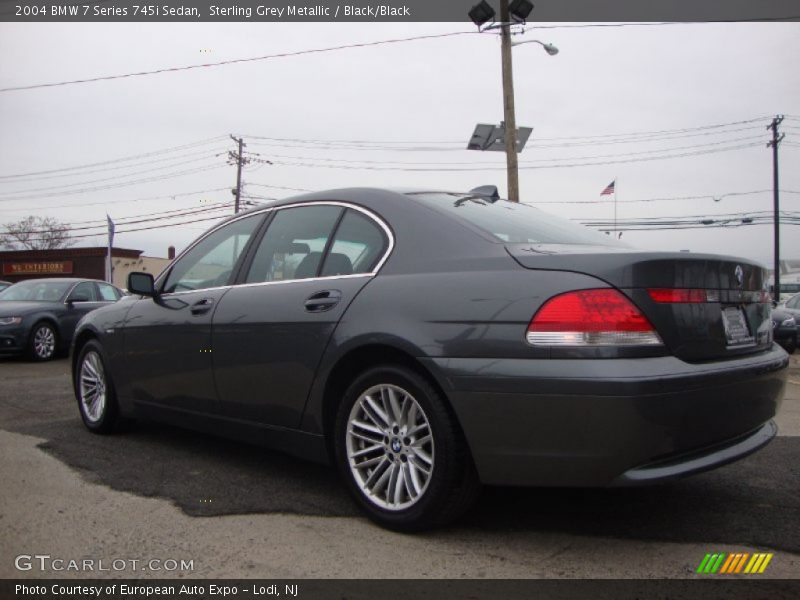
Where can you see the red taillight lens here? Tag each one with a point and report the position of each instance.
(603, 317)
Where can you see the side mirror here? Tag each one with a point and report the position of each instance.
(142, 284)
(78, 298)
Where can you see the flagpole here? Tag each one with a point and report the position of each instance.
(109, 267)
(615, 207)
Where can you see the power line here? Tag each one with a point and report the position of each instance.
(280, 187)
(629, 137)
(159, 214)
(662, 23)
(129, 221)
(82, 236)
(478, 167)
(117, 160)
(668, 199)
(113, 202)
(240, 60)
(66, 186)
(693, 218)
(160, 161)
(530, 162)
(117, 185)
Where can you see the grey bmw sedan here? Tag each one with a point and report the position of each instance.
(428, 342)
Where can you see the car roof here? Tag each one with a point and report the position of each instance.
(66, 279)
(352, 194)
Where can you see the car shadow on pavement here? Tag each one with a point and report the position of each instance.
(755, 501)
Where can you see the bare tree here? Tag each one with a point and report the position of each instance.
(35, 233)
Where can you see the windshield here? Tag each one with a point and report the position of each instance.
(515, 223)
(43, 291)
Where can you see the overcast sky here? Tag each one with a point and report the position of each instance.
(427, 95)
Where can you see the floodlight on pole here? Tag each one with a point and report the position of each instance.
(520, 9)
(481, 13)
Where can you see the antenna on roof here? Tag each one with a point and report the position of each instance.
(489, 192)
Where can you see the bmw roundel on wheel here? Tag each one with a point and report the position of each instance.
(428, 342)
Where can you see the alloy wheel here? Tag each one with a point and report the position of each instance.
(44, 342)
(390, 447)
(92, 387)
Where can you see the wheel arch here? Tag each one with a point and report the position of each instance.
(357, 360)
(82, 338)
(51, 320)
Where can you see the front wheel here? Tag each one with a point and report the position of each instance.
(43, 342)
(94, 390)
(401, 452)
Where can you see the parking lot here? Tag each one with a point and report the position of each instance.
(156, 492)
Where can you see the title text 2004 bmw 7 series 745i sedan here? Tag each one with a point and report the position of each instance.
(427, 342)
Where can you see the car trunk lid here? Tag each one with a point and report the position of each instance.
(703, 306)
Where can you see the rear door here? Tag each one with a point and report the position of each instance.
(270, 331)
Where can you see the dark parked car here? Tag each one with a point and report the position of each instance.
(426, 342)
(38, 316)
(792, 306)
(5, 284)
(784, 329)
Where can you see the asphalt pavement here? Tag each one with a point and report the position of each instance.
(243, 511)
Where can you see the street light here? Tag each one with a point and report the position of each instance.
(549, 48)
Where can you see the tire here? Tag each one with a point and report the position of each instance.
(43, 342)
(94, 390)
(415, 449)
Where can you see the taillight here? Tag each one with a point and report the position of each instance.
(682, 296)
(603, 317)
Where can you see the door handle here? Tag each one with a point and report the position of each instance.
(322, 301)
(202, 306)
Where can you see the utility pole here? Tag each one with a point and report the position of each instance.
(239, 158)
(776, 139)
(508, 104)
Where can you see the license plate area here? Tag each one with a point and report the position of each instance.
(737, 333)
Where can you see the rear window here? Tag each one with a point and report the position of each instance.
(514, 223)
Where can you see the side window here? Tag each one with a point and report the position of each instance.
(210, 263)
(108, 293)
(85, 289)
(358, 245)
(794, 302)
(293, 245)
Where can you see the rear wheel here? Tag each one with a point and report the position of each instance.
(43, 341)
(94, 390)
(401, 452)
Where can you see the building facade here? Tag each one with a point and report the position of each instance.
(17, 265)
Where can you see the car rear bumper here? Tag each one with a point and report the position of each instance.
(699, 460)
(613, 421)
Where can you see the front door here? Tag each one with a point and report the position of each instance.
(167, 345)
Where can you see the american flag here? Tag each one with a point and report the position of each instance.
(609, 189)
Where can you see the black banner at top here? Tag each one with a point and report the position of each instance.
(390, 10)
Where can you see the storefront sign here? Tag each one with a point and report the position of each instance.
(63, 267)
